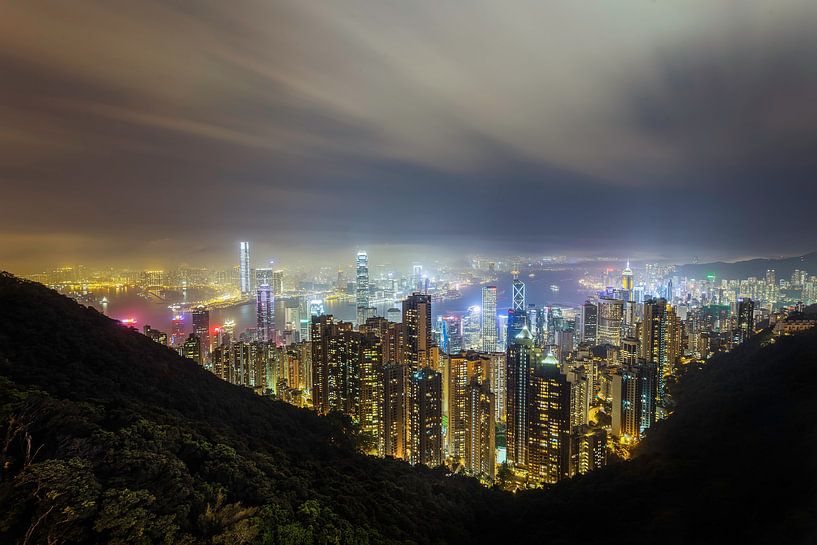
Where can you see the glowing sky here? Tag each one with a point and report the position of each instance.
(137, 131)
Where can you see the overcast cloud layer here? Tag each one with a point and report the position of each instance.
(132, 132)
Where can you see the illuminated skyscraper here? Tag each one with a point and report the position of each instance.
(451, 331)
(610, 319)
(417, 330)
(519, 362)
(263, 276)
(371, 389)
(244, 268)
(336, 356)
(548, 422)
(627, 278)
(634, 394)
(277, 282)
(192, 349)
(426, 418)
(518, 293)
(396, 421)
(660, 341)
(265, 313)
(590, 317)
(362, 287)
(201, 327)
(471, 325)
(488, 322)
(746, 319)
(480, 434)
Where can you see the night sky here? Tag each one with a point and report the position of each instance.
(141, 132)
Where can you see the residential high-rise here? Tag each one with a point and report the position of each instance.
(370, 412)
(660, 341)
(746, 319)
(633, 399)
(362, 287)
(244, 268)
(265, 313)
(548, 422)
(425, 400)
(590, 446)
(336, 355)
(519, 362)
(417, 330)
(480, 429)
(396, 421)
(488, 323)
(192, 349)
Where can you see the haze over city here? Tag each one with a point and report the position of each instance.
(146, 133)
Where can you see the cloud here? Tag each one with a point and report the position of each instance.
(511, 126)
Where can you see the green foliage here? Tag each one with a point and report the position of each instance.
(108, 437)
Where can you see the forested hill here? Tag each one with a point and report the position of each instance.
(108, 437)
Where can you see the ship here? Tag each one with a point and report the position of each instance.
(554, 288)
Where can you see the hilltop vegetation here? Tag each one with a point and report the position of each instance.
(108, 437)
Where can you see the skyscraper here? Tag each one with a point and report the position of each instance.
(396, 421)
(627, 278)
(660, 341)
(201, 327)
(746, 319)
(244, 268)
(519, 362)
(480, 429)
(548, 423)
(362, 287)
(590, 317)
(451, 330)
(265, 313)
(488, 322)
(417, 330)
(518, 293)
(610, 318)
(426, 418)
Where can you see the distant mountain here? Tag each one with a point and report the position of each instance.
(108, 437)
(754, 267)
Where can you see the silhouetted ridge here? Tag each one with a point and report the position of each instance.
(110, 437)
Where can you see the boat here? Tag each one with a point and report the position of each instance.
(531, 275)
(554, 288)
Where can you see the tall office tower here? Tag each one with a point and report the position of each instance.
(471, 325)
(627, 278)
(610, 319)
(417, 330)
(265, 313)
(453, 334)
(519, 363)
(660, 341)
(395, 410)
(590, 320)
(633, 395)
(263, 276)
(517, 321)
(591, 449)
(537, 323)
(488, 323)
(362, 287)
(548, 422)
(480, 429)
(277, 282)
(564, 343)
(192, 349)
(426, 434)
(177, 331)
(746, 319)
(371, 390)
(518, 293)
(555, 323)
(244, 268)
(201, 327)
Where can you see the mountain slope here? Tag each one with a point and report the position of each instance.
(109, 437)
(783, 267)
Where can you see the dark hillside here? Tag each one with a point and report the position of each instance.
(108, 437)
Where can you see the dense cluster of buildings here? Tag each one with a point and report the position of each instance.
(526, 395)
